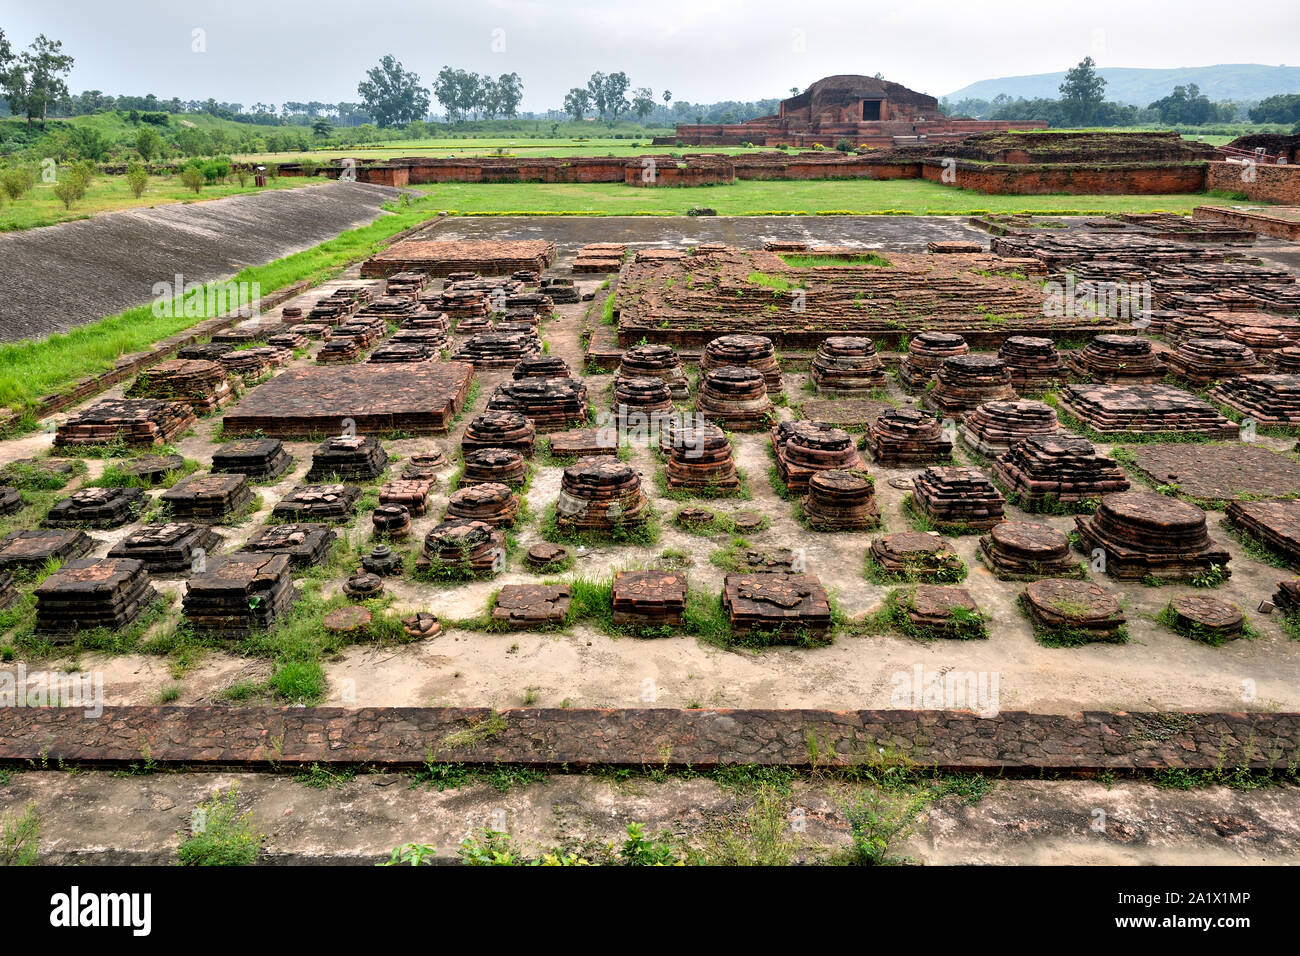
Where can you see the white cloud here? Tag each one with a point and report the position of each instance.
(702, 50)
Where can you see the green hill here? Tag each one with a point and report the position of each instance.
(1239, 82)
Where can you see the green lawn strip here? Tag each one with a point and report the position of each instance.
(31, 370)
(779, 197)
(110, 193)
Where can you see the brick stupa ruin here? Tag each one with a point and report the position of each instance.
(865, 110)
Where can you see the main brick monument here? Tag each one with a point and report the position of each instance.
(866, 111)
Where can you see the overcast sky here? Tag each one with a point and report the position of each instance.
(702, 50)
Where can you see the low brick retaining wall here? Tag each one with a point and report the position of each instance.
(557, 738)
(1011, 179)
(1280, 184)
(667, 172)
(1257, 221)
(991, 178)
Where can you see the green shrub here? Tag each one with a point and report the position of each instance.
(20, 837)
(137, 179)
(83, 172)
(222, 836)
(639, 851)
(69, 189)
(192, 178)
(492, 848)
(15, 181)
(299, 681)
(216, 170)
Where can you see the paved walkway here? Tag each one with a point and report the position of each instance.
(396, 737)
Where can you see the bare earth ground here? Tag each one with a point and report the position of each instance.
(61, 276)
(1157, 669)
(569, 233)
(95, 817)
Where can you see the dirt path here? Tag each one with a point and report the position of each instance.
(98, 817)
(569, 233)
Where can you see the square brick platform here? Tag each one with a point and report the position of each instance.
(313, 401)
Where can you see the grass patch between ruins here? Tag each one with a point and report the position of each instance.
(780, 198)
(1068, 636)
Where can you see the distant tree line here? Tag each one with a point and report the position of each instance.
(465, 95)
(1283, 108)
(1083, 103)
(33, 80)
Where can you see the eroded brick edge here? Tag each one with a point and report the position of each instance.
(265, 737)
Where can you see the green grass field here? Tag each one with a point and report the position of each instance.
(770, 197)
(40, 207)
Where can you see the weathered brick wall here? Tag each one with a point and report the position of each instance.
(1081, 180)
(1280, 184)
(796, 169)
(385, 175)
(1263, 224)
(635, 174)
(408, 736)
(491, 170)
(1276, 183)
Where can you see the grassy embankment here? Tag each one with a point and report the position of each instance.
(40, 207)
(30, 370)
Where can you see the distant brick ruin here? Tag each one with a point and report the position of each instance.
(864, 110)
(995, 161)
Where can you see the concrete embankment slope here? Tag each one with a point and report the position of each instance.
(58, 277)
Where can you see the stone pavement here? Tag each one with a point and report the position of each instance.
(569, 738)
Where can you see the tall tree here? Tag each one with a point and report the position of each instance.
(148, 143)
(446, 89)
(33, 82)
(462, 92)
(510, 93)
(616, 87)
(392, 94)
(643, 102)
(489, 98)
(7, 64)
(1082, 93)
(1279, 108)
(596, 90)
(473, 92)
(576, 103)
